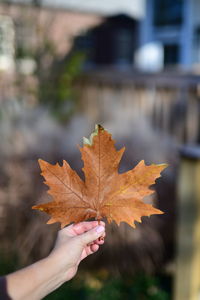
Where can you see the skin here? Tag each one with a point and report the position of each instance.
(73, 244)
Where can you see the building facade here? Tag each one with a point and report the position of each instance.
(151, 35)
(173, 27)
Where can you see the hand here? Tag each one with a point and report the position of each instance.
(74, 243)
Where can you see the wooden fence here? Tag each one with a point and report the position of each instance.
(170, 102)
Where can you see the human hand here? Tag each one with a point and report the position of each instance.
(74, 243)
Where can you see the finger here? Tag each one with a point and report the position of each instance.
(89, 244)
(91, 235)
(94, 248)
(79, 228)
(67, 231)
(100, 241)
(89, 250)
(97, 240)
(82, 227)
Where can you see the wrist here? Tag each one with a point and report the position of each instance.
(55, 271)
(61, 269)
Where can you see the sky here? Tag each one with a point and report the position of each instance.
(133, 8)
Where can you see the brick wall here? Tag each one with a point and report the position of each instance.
(60, 26)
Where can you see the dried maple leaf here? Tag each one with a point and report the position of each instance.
(105, 192)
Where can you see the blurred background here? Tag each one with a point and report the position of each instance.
(134, 67)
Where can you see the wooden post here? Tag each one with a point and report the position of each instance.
(187, 274)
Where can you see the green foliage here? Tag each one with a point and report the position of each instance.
(55, 76)
(23, 52)
(7, 265)
(56, 89)
(103, 286)
(140, 287)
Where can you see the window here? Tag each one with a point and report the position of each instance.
(6, 43)
(123, 47)
(168, 12)
(6, 36)
(111, 43)
(171, 54)
(197, 45)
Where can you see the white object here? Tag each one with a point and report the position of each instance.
(150, 57)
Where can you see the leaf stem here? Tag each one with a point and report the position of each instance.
(101, 238)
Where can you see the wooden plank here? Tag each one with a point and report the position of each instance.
(187, 276)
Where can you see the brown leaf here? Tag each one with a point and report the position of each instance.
(105, 192)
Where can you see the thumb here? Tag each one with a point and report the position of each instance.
(91, 235)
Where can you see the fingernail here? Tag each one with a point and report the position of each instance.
(100, 229)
